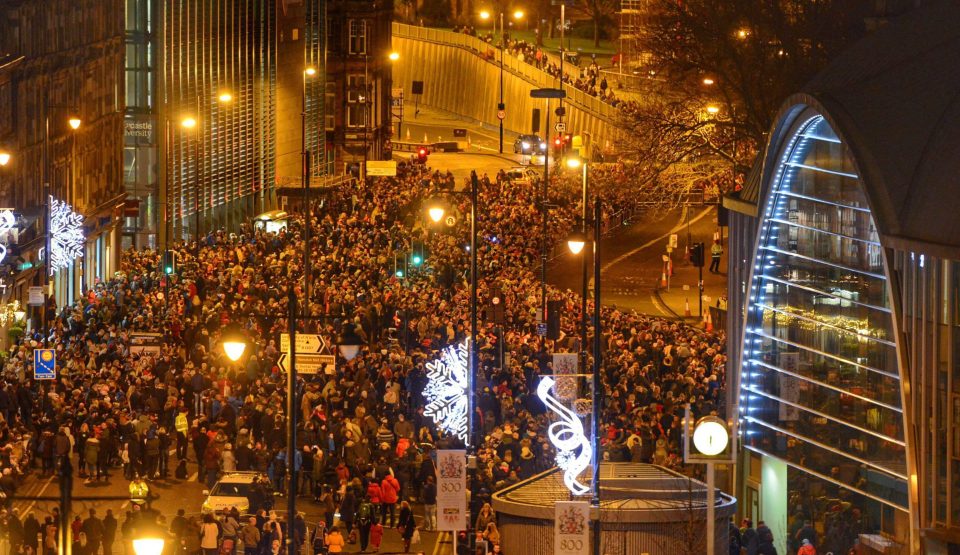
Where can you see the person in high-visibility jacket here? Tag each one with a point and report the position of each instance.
(715, 252)
(182, 424)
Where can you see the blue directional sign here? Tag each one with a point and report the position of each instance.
(44, 364)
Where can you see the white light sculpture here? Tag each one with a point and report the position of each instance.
(7, 222)
(66, 235)
(567, 436)
(446, 391)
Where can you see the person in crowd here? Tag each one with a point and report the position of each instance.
(406, 525)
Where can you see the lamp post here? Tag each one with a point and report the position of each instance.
(148, 546)
(74, 123)
(518, 15)
(576, 242)
(436, 212)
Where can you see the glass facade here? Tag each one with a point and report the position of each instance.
(221, 170)
(820, 382)
(140, 177)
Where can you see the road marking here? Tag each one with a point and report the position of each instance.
(660, 307)
(676, 229)
(124, 505)
(193, 476)
(436, 546)
(38, 494)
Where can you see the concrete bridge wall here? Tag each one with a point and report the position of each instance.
(459, 79)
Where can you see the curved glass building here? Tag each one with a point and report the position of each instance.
(844, 261)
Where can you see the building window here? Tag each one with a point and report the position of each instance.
(356, 100)
(820, 386)
(358, 36)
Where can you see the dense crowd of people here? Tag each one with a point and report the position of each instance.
(364, 445)
(588, 78)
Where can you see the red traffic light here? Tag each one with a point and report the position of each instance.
(557, 141)
(423, 152)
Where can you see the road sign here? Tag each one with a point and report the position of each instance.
(548, 93)
(35, 295)
(542, 329)
(673, 241)
(560, 127)
(44, 364)
(306, 343)
(501, 114)
(309, 364)
(382, 167)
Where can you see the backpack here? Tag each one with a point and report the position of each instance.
(365, 512)
(181, 472)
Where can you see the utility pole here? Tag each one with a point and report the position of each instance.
(291, 422)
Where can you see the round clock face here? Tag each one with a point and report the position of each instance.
(710, 437)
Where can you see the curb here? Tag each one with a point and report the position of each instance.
(656, 293)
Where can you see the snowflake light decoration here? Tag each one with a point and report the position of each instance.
(446, 390)
(66, 235)
(567, 436)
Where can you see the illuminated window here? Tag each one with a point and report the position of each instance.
(820, 387)
(358, 36)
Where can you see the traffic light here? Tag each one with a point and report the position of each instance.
(422, 154)
(416, 259)
(399, 266)
(169, 262)
(696, 255)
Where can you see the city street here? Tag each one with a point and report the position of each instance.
(632, 263)
(176, 494)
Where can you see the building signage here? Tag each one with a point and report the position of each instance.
(571, 528)
(138, 131)
(451, 490)
(35, 295)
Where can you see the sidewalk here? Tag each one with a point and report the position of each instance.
(683, 286)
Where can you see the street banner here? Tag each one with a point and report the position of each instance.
(571, 528)
(565, 364)
(451, 490)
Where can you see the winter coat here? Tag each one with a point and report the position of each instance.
(375, 493)
(389, 490)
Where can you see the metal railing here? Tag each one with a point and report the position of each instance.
(536, 77)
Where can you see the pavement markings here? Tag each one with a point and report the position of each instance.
(676, 229)
(440, 540)
(659, 306)
(38, 494)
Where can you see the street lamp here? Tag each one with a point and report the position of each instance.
(74, 123)
(234, 343)
(436, 211)
(713, 109)
(188, 122)
(19, 315)
(708, 81)
(4, 158)
(579, 238)
(148, 546)
(484, 15)
(394, 56)
(225, 97)
(310, 71)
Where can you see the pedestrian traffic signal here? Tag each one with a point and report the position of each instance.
(169, 262)
(696, 255)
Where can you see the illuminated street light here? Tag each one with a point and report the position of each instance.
(74, 123)
(225, 97)
(188, 122)
(436, 213)
(712, 109)
(576, 242)
(394, 56)
(708, 81)
(484, 15)
(148, 546)
(4, 158)
(518, 14)
(743, 33)
(573, 162)
(311, 71)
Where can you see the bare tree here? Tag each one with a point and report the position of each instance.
(597, 11)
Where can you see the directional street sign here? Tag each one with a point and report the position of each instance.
(309, 363)
(44, 364)
(306, 343)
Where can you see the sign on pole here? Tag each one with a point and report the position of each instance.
(560, 127)
(35, 295)
(44, 364)
(309, 363)
(451, 490)
(571, 528)
(313, 355)
(566, 364)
